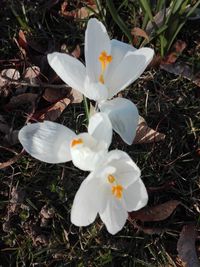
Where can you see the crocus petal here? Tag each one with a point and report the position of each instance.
(126, 171)
(130, 68)
(118, 51)
(86, 202)
(96, 41)
(100, 128)
(47, 141)
(124, 117)
(114, 216)
(135, 196)
(95, 91)
(88, 154)
(69, 69)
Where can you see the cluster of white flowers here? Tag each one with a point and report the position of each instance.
(114, 187)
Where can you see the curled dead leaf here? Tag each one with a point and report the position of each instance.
(53, 95)
(138, 32)
(145, 134)
(10, 74)
(158, 20)
(31, 74)
(79, 13)
(146, 230)
(186, 246)
(155, 213)
(53, 112)
(177, 48)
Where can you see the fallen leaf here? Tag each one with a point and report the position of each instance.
(10, 74)
(4, 127)
(79, 13)
(11, 138)
(76, 52)
(183, 69)
(175, 52)
(145, 134)
(158, 20)
(53, 112)
(186, 246)
(31, 74)
(147, 230)
(26, 41)
(155, 213)
(53, 95)
(16, 101)
(138, 32)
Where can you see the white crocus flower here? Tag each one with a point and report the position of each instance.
(54, 143)
(111, 66)
(112, 190)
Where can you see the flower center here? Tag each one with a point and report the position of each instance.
(104, 59)
(117, 189)
(76, 142)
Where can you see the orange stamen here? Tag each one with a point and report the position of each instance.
(76, 142)
(104, 59)
(117, 191)
(111, 178)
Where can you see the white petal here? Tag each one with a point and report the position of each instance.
(130, 68)
(69, 69)
(135, 196)
(86, 202)
(114, 216)
(118, 51)
(96, 41)
(95, 91)
(88, 155)
(124, 117)
(47, 141)
(100, 128)
(126, 171)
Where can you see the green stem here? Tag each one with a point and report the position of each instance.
(86, 108)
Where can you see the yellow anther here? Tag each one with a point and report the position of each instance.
(104, 59)
(76, 142)
(101, 79)
(111, 178)
(117, 191)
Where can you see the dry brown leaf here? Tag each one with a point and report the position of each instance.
(31, 74)
(156, 213)
(53, 95)
(10, 74)
(22, 99)
(181, 68)
(186, 246)
(53, 112)
(138, 32)
(145, 134)
(79, 13)
(177, 48)
(76, 52)
(158, 19)
(147, 230)
(4, 127)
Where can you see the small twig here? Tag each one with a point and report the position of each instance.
(41, 84)
(11, 161)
